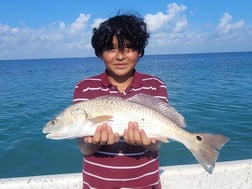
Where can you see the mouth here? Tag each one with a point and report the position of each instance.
(120, 65)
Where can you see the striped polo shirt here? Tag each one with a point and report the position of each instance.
(121, 165)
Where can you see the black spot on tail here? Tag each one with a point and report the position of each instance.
(199, 138)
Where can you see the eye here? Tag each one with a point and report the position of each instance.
(53, 121)
(127, 50)
(112, 50)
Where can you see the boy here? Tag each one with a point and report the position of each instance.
(132, 160)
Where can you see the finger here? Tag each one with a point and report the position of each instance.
(125, 136)
(136, 134)
(88, 139)
(104, 135)
(145, 139)
(116, 137)
(110, 136)
(97, 135)
(130, 133)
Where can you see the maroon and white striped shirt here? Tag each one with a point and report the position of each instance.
(121, 165)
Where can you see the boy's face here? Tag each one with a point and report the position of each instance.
(120, 63)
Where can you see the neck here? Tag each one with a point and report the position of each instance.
(122, 82)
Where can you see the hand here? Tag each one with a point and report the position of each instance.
(135, 136)
(103, 136)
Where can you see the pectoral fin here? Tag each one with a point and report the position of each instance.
(160, 138)
(100, 119)
(163, 139)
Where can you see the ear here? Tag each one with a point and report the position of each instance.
(100, 56)
(139, 54)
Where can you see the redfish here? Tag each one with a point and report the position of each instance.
(158, 119)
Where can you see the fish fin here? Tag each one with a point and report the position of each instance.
(100, 119)
(206, 149)
(159, 137)
(159, 106)
(163, 139)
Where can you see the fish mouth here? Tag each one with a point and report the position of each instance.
(53, 136)
(45, 130)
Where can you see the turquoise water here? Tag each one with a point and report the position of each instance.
(212, 91)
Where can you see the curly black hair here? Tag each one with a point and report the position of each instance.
(130, 31)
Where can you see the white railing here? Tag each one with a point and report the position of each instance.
(226, 175)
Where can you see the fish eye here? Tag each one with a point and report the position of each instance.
(53, 122)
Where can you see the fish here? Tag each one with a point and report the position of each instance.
(157, 118)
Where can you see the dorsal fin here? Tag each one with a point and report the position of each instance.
(159, 106)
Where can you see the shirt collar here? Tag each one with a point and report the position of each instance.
(104, 80)
(136, 82)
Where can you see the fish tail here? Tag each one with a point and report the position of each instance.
(206, 149)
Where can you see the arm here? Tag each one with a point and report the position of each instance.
(87, 148)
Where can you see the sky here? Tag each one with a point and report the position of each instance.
(62, 29)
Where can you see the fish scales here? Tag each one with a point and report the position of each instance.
(159, 120)
(154, 123)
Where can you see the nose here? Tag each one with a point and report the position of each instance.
(120, 55)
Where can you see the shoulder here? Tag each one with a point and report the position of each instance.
(90, 81)
(88, 88)
(150, 84)
(150, 79)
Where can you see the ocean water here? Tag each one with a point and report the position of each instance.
(213, 91)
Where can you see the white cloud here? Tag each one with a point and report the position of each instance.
(97, 22)
(167, 28)
(155, 22)
(56, 40)
(4, 28)
(225, 26)
(79, 24)
(229, 35)
(170, 33)
(173, 18)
